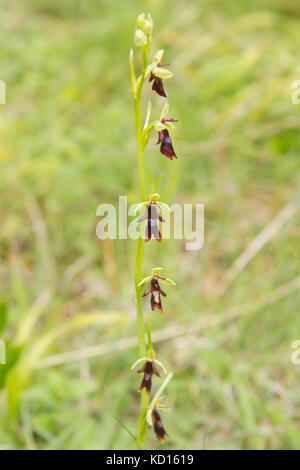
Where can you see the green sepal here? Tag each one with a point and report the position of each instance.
(167, 281)
(160, 72)
(145, 280)
(164, 111)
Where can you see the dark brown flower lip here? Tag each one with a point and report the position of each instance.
(158, 83)
(165, 141)
(152, 216)
(148, 369)
(158, 426)
(156, 291)
(166, 146)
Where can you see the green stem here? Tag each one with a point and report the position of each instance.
(139, 138)
(141, 437)
(150, 345)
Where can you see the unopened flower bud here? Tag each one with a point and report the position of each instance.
(140, 38)
(145, 24)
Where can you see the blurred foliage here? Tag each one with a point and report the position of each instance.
(68, 144)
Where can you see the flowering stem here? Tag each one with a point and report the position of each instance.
(137, 91)
(156, 72)
(150, 345)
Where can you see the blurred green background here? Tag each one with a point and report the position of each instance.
(67, 144)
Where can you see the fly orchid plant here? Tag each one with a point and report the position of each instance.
(150, 209)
